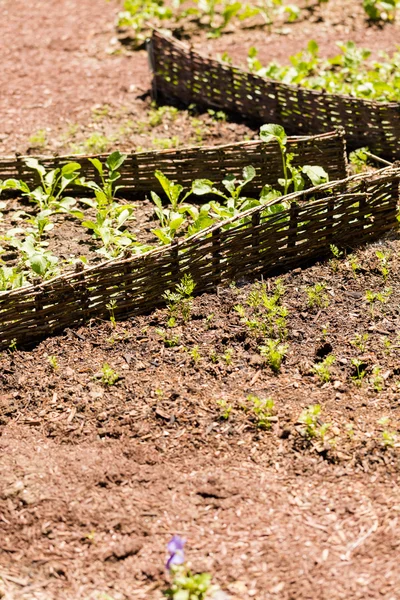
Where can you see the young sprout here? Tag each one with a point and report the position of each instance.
(263, 410)
(336, 255)
(226, 409)
(384, 258)
(214, 356)
(322, 369)
(360, 371)
(241, 311)
(373, 297)
(387, 345)
(377, 380)
(53, 362)
(195, 354)
(274, 353)
(109, 376)
(355, 266)
(180, 301)
(316, 296)
(360, 341)
(312, 428)
(389, 439)
(111, 306)
(186, 585)
(169, 341)
(227, 356)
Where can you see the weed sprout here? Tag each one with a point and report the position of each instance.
(312, 428)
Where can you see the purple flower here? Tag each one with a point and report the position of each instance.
(175, 549)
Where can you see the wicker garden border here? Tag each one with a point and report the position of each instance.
(214, 162)
(345, 213)
(186, 76)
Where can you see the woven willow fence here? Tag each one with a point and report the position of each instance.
(345, 213)
(182, 74)
(182, 166)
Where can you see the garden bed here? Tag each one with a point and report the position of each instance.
(188, 77)
(346, 213)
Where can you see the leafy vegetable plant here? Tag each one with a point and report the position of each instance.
(381, 10)
(349, 73)
(292, 176)
(48, 195)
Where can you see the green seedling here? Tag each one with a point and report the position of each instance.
(381, 10)
(387, 344)
(109, 376)
(383, 258)
(180, 301)
(227, 356)
(97, 143)
(269, 317)
(53, 362)
(312, 427)
(374, 297)
(316, 296)
(48, 195)
(322, 369)
(195, 354)
(292, 176)
(174, 217)
(336, 255)
(214, 357)
(240, 310)
(38, 139)
(325, 332)
(13, 345)
(389, 439)
(189, 586)
(349, 427)
(360, 341)
(108, 175)
(377, 380)
(263, 411)
(33, 256)
(274, 353)
(209, 320)
(360, 371)
(226, 409)
(111, 306)
(355, 266)
(170, 341)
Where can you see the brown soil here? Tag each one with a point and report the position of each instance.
(95, 478)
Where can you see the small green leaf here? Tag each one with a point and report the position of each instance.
(156, 199)
(271, 132)
(97, 165)
(318, 175)
(249, 173)
(115, 160)
(202, 186)
(38, 263)
(70, 168)
(33, 163)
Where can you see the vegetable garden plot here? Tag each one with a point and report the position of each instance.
(344, 213)
(180, 73)
(182, 166)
